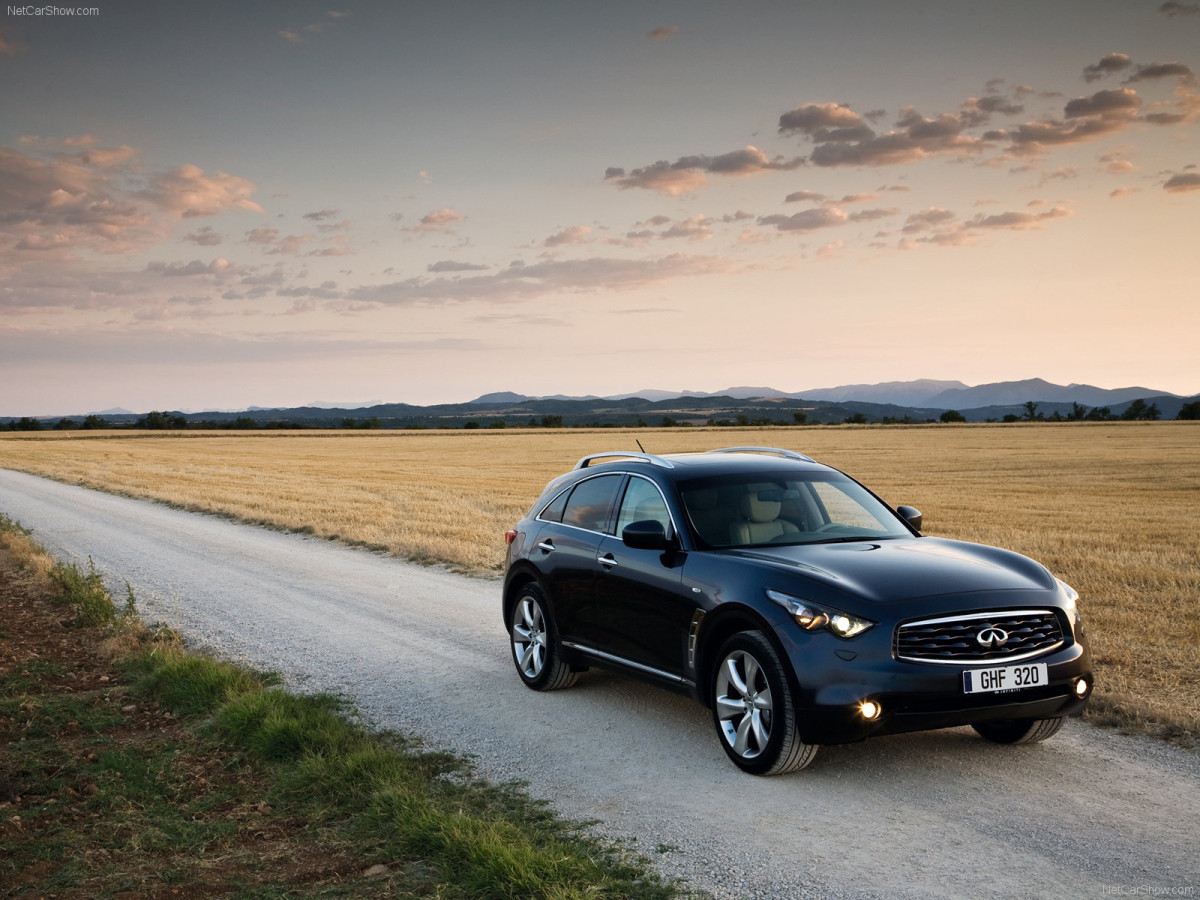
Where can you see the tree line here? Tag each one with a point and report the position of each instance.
(1138, 410)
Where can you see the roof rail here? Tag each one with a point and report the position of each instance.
(786, 454)
(625, 454)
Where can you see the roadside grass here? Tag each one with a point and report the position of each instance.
(130, 766)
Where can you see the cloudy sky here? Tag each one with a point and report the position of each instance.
(214, 205)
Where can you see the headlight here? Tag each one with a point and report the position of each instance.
(1072, 596)
(812, 616)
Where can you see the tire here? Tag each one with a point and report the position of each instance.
(1019, 731)
(534, 645)
(753, 708)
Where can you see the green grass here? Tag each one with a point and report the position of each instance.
(85, 593)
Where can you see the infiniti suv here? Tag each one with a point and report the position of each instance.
(788, 599)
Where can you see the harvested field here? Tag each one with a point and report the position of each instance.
(1112, 508)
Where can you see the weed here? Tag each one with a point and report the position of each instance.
(84, 591)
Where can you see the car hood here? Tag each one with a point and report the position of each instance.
(904, 568)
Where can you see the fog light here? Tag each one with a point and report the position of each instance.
(1081, 687)
(869, 709)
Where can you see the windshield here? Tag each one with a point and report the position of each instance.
(751, 510)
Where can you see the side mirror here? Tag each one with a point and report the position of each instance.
(648, 534)
(911, 515)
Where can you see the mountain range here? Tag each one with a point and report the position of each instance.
(922, 393)
(897, 401)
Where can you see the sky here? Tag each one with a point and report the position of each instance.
(217, 205)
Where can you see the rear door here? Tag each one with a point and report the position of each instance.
(566, 551)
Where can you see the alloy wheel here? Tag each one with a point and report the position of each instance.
(745, 707)
(529, 637)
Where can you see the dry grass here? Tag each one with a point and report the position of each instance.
(1112, 508)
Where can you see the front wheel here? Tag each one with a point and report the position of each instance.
(535, 649)
(1019, 731)
(753, 708)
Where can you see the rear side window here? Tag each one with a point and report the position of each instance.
(553, 512)
(589, 504)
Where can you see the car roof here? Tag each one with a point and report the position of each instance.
(727, 460)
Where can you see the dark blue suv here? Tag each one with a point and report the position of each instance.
(791, 601)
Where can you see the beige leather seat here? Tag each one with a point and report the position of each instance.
(760, 520)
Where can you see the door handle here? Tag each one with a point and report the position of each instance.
(607, 560)
(546, 546)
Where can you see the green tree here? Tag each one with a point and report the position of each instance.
(93, 422)
(1031, 412)
(800, 417)
(1138, 411)
(159, 421)
(953, 415)
(1077, 413)
(1189, 410)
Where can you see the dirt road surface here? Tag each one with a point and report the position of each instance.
(1089, 813)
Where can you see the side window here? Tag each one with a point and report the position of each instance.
(554, 510)
(643, 501)
(589, 503)
(843, 509)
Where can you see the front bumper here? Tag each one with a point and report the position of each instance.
(920, 696)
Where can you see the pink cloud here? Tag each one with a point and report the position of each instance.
(688, 173)
(576, 234)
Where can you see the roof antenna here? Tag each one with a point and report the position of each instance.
(639, 443)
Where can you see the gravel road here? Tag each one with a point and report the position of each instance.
(944, 814)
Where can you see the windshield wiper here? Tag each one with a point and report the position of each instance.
(849, 539)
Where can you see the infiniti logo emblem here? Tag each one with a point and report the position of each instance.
(992, 637)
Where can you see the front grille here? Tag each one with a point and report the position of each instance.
(954, 640)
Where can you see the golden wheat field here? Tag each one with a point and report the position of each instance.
(1112, 508)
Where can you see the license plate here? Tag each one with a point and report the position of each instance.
(1003, 678)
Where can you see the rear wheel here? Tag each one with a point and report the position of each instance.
(753, 708)
(1019, 731)
(535, 648)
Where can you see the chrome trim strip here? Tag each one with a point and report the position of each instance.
(987, 615)
(674, 525)
(981, 663)
(693, 635)
(592, 651)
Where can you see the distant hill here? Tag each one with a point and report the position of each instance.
(1009, 393)
(896, 401)
(901, 393)
(923, 393)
